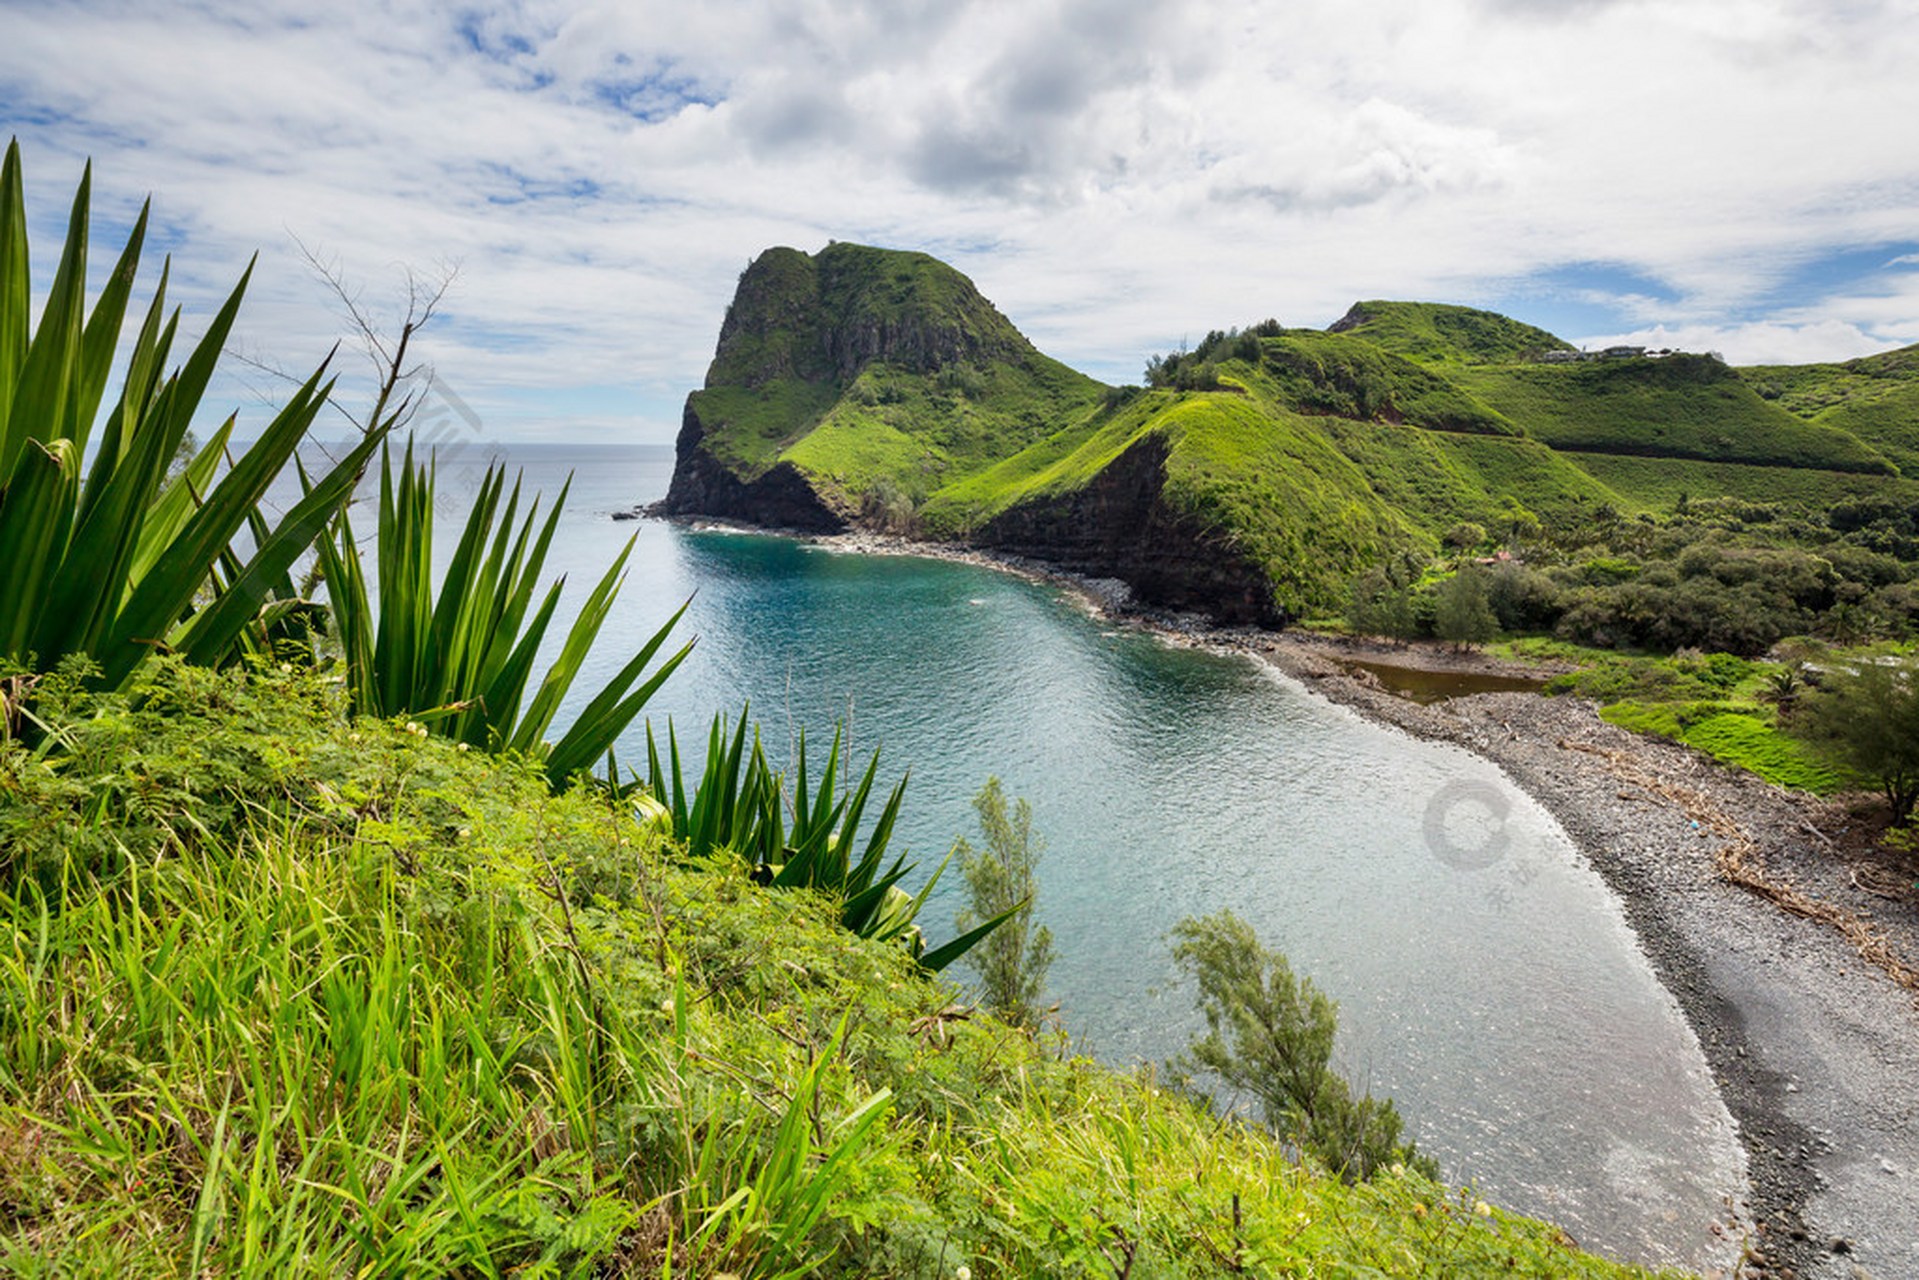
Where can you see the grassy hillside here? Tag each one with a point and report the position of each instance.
(1350, 377)
(1875, 398)
(1661, 484)
(1683, 406)
(1432, 333)
(1308, 495)
(286, 994)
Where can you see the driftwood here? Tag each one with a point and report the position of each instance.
(1738, 862)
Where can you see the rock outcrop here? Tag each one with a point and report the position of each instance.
(1120, 526)
(839, 341)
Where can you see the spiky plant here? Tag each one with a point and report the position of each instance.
(808, 841)
(114, 558)
(462, 659)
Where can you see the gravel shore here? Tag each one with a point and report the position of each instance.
(1797, 971)
(1815, 1047)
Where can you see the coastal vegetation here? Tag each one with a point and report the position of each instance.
(1012, 961)
(288, 991)
(317, 958)
(1276, 467)
(1269, 1033)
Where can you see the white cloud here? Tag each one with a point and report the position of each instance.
(1115, 174)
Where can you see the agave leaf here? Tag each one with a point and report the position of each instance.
(168, 514)
(191, 382)
(166, 592)
(44, 399)
(605, 718)
(215, 628)
(102, 332)
(579, 639)
(136, 395)
(15, 291)
(91, 582)
(939, 957)
(36, 513)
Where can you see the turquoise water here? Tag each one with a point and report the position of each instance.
(1486, 978)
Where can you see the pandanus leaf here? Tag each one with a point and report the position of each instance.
(464, 654)
(134, 559)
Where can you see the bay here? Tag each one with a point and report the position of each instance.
(1486, 977)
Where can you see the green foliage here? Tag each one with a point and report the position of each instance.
(1383, 602)
(1347, 376)
(1270, 1034)
(1740, 736)
(1462, 609)
(1659, 484)
(1012, 960)
(343, 999)
(1867, 713)
(741, 805)
(1522, 598)
(461, 659)
(1875, 398)
(1713, 596)
(1681, 406)
(125, 555)
(1300, 462)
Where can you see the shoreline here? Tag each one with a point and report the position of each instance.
(1814, 1049)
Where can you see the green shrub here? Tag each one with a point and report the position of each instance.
(1270, 1034)
(1012, 960)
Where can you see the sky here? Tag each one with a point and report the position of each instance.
(1118, 176)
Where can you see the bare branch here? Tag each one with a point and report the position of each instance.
(388, 356)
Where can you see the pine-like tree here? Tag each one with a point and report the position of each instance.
(1270, 1034)
(1012, 960)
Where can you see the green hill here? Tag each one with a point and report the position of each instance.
(1875, 398)
(1680, 406)
(1437, 334)
(1261, 471)
(869, 374)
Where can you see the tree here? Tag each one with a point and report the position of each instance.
(1463, 610)
(1012, 960)
(1382, 599)
(1270, 1034)
(1869, 715)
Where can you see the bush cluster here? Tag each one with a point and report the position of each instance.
(1719, 574)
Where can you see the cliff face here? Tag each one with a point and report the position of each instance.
(1120, 526)
(778, 498)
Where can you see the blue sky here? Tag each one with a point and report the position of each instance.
(1118, 176)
